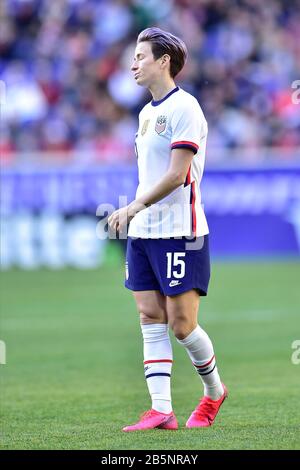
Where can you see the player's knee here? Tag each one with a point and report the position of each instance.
(151, 316)
(181, 327)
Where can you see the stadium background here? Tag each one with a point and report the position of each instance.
(68, 118)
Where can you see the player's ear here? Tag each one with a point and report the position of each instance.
(165, 59)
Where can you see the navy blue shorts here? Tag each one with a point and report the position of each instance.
(171, 266)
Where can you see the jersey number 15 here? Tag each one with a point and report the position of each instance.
(174, 261)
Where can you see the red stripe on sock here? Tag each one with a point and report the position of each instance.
(158, 360)
(204, 365)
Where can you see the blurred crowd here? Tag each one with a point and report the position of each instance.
(69, 90)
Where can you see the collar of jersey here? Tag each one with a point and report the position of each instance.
(156, 103)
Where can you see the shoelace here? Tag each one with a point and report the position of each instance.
(204, 408)
(146, 414)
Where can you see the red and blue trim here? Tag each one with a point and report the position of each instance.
(192, 199)
(188, 177)
(201, 371)
(204, 365)
(206, 369)
(193, 204)
(185, 144)
(157, 374)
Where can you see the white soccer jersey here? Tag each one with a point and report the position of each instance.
(176, 121)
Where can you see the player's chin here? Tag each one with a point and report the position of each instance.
(140, 81)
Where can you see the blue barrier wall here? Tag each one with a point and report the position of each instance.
(250, 211)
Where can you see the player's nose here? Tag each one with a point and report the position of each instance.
(133, 68)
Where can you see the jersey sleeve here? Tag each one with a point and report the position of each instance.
(188, 127)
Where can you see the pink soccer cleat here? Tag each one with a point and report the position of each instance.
(153, 419)
(205, 413)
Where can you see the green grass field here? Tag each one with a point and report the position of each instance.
(74, 372)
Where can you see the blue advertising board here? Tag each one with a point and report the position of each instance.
(251, 212)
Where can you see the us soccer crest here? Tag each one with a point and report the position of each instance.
(160, 125)
(145, 127)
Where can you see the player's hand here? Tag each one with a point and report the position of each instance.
(119, 219)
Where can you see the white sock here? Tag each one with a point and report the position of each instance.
(200, 349)
(158, 360)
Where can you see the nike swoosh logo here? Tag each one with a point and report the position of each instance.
(174, 283)
(166, 420)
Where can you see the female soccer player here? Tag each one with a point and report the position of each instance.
(167, 261)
